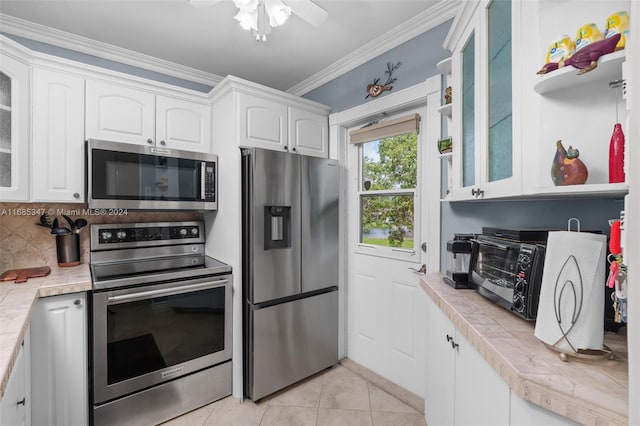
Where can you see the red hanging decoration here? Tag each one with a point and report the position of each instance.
(616, 155)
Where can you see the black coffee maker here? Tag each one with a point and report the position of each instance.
(458, 259)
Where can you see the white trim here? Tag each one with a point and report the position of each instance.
(41, 33)
(462, 20)
(43, 60)
(232, 83)
(389, 104)
(415, 26)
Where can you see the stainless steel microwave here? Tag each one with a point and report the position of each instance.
(137, 177)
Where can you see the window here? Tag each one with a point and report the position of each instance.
(387, 188)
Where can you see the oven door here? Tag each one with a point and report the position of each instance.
(147, 335)
(128, 176)
(494, 267)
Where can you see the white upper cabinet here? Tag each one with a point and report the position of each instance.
(119, 113)
(308, 132)
(485, 110)
(262, 123)
(183, 124)
(14, 129)
(269, 119)
(58, 137)
(124, 114)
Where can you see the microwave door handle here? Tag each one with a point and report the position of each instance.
(203, 169)
(492, 244)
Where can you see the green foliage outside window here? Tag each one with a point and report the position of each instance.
(389, 164)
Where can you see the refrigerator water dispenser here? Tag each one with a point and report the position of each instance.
(277, 227)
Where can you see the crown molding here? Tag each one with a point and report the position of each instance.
(430, 18)
(58, 38)
(460, 23)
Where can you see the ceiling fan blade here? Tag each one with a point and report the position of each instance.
(309, 11)
(203, 3)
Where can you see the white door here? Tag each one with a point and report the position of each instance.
(385, 307)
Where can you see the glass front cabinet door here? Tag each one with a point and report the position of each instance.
(14, 129)
(485, 151)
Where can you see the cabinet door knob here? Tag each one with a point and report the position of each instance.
(77, 302)
(23, 401)
(293, 149)
(76, 195)
(150, 141)
(163, 143)
(286, 148)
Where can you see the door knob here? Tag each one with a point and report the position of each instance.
(423, 247)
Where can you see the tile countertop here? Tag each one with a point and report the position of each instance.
(592, 392)
(16, 307)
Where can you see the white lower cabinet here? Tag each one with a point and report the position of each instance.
(59, 361)
(461, 387)
(15, 406)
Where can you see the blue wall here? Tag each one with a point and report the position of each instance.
(105, 63)
(419, 57)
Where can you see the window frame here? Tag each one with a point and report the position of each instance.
(397, 253)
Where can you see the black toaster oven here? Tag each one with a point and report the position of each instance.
(509, 272)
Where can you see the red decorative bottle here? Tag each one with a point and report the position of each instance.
(616, 155)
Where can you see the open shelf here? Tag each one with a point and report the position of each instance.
(603, 190)
(445, 110)
(609, 69)
(444, 66)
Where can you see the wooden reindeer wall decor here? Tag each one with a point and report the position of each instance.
(376, 89)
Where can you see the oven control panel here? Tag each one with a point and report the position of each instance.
(108, 236)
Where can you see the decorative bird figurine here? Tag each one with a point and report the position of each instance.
(567, 168)
(376, 89)
(585, 59)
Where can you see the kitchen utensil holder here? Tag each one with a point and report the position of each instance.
(68, 250)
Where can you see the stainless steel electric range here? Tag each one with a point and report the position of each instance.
(161, 322)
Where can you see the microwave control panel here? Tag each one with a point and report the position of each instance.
(209, 192)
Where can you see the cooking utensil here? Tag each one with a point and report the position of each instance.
(80, 223)
(44, 221)
(71, 222)
(56, 229)
(23, 274)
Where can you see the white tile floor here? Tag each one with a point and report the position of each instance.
(335, 397)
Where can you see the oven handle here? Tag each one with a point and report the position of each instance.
(492, 244)
(142, 295)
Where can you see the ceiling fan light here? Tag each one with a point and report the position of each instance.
(278, 12)
(246, 5)
(247, 20)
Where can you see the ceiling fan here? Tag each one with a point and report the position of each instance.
(260, 16)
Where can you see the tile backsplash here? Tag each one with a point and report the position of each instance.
(24, 244)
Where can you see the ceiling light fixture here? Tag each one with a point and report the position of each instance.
(260, 16)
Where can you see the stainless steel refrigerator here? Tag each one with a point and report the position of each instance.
(290, 268)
